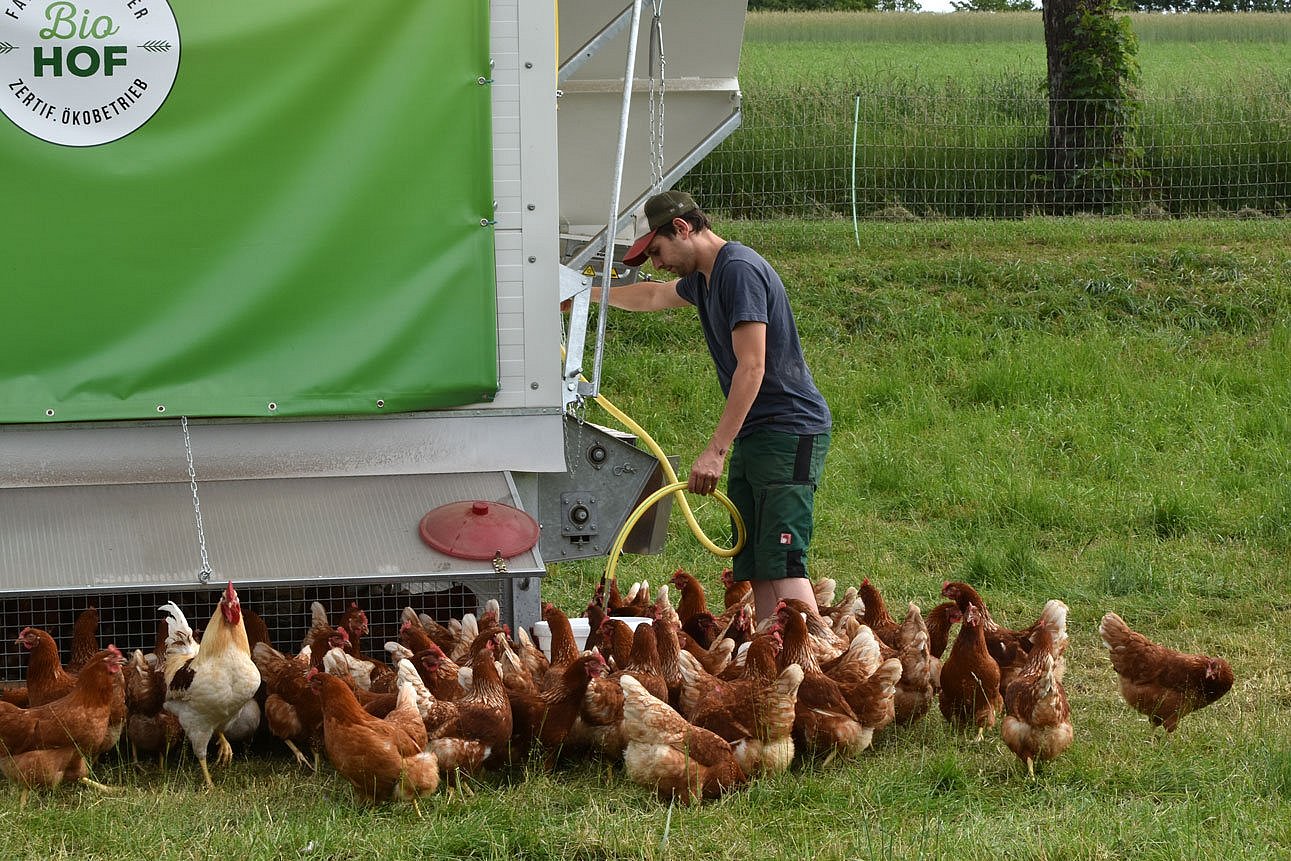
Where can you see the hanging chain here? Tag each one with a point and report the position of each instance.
(658, 59)
(499, 564)
(578, 412)
(205, 575)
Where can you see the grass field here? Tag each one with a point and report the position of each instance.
(1245, 27)
(1192, 54)
(1170, 69)
(950, 117)
(1089, 410)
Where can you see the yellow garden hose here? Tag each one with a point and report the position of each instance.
(674, 487)
(677, 487)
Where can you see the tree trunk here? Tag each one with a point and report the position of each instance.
(1091, 73)
(1066, 117)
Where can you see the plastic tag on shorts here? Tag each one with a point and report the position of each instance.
(786, 538)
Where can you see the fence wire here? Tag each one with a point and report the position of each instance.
(920, 153)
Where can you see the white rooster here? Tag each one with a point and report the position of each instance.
(209, 685)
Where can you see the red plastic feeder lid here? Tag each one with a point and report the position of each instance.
(478, 530)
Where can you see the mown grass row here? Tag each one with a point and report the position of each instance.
(902, 129)
(816, 27)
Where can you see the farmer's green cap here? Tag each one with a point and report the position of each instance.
(659, 210)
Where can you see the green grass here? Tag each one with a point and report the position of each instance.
(952, 118)
(815, 27)
(1170, 69)
(1089, 410)
(1188, 54)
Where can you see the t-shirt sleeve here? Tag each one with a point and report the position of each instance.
(686, 289)
(744, 293)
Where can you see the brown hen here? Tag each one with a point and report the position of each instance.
(382, 758)
(755, 713)
(970, 678)
(1158, 681)
(46, 678)
(668, 754)
(85, 639)
(48, 744)
(473, 732)
(1037, 723)
(822, 718)
(876, 615)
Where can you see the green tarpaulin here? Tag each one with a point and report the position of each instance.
(304, 222)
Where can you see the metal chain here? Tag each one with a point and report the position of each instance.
(499, 564)
(657, 99)
(578, 411)
(205, 575)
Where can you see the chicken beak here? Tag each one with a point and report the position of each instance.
(116, 660)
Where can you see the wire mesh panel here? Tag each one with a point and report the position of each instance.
(908, 150)
(130, 619)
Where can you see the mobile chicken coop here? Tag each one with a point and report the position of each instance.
(280, 282)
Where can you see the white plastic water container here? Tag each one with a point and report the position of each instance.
(581, 627)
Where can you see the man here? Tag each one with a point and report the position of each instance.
(775, 425)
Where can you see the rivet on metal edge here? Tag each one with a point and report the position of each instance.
(273, 407)
(532, 385)
(381, 403)
(161, 408)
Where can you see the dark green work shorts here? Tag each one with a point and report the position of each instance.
(772, 482)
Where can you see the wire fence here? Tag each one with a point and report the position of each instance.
(924, 153)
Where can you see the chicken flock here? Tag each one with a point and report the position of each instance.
(693, 703)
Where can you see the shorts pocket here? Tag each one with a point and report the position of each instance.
(784, 530)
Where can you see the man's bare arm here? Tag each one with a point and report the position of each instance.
(644, 296)
(749, 341)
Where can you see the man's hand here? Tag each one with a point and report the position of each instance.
(706, 472)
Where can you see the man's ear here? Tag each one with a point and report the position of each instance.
(682, 226)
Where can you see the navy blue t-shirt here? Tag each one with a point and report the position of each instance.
(745, 289)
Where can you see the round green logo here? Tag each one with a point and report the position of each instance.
(83, 75)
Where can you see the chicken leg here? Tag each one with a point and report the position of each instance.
(456, 786)
(300, 757)
(101, 787)
(225, 755)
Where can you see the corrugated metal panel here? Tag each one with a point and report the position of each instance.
(145, 452)
(257, 531)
